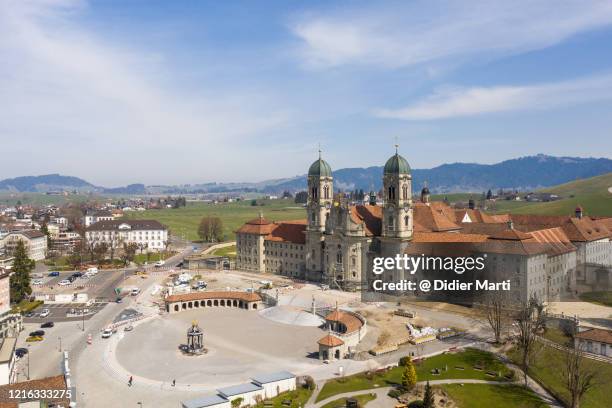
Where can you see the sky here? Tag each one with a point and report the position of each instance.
(175, 92)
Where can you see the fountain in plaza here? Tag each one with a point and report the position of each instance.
(195, 341)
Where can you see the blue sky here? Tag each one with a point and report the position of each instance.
(193, 91)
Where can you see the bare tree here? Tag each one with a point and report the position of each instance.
(579, 376)
(496, 311)
(530, 322)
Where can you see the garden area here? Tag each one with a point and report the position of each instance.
(229, 251)
(468, 364)
(498, 396)
(549, 367)
(289, 399)
(361, 399)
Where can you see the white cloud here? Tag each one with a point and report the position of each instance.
(412, 33)
(77, 103)
(458, 102)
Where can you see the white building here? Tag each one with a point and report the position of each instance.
(7, 360)
(96, 216)
(250, 393)
(34, 241)
(147, 233)
(276, 383)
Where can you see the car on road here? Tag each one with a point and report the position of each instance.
(53, 274)
(34, 338)
(128, 328)
(71, 279)
(159, 263)
(106, 333)
(135, 292)
(118, 300)
(37, 282)
(45, 313)
(20, 352)
(92, 271)
(77, 274)
(64, 282)
(37, 333)
(30, 314)
(47, 325)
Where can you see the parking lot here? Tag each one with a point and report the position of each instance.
(65, 312)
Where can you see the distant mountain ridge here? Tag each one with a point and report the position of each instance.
(525, 173)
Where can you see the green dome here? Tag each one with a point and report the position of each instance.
(320, 168)
(397, 165)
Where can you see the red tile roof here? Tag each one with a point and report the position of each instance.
(57, 382)
(600, 335)
(435, 217)
(577, 229)
(330, 341)
(288, 231)
(370, 216)
(349, 320)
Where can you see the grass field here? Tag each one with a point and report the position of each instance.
(466, 359)
(549, 368)
(362, 399)
(498, 396)
(557, 335)
(7, 198)
(229, 251)
(601, 297)
(185, 221)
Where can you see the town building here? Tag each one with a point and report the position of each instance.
(596, 341)
(94, 216)
(544, 256)
(35, 243)
(148, 234)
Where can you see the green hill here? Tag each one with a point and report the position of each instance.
(592, 194)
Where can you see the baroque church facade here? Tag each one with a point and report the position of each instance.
(337, 242)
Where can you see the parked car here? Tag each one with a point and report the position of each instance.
(30, 314)
(20, 352)
(106, 333)
(128, 328)
(34, 338)
(45, 313)
(92, 271)
(64, 282)
(53, 273)
(47, 325)
(135, 292)
(37, 282)
(37, 333)
(71, 278)
(77, 274)
(159, 263)
(118, 300)
(36, 275)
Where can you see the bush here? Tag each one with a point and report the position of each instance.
(416, 404)
(403, 362)
(394, 393)
(309, 383)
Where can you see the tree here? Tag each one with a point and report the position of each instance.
(211, 229)
(529, 321)
(301, 197)
(496, 313)
(489, 194)
(20, 279)
(75, 257)
(45, 230)
(237, 402)
(129, 252)
(428, 398)
(579, 376)
(100, 251)
(409, 377)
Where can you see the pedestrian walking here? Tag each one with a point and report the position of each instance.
(130, 381)
(174, 383)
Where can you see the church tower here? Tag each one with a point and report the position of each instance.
(318, 207)
(320, 194)
(397, 190)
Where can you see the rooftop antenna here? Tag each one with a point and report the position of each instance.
(396, 144)
(319, 150)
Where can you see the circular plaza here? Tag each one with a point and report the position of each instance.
(240, 343)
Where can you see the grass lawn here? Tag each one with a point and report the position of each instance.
(229, 251)
(362, 399)
(601, 298)
(466, 359)
(549, 367)
(557, 335)
(498, 396)
(185, 220)
(298, 398)
(26, 306)
(153, 257)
